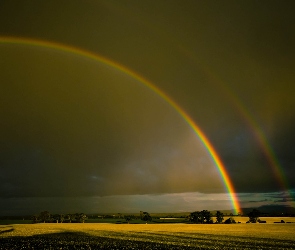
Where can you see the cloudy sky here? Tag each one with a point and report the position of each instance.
(80, 135)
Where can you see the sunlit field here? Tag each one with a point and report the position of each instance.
(244, 219)
(148, 236)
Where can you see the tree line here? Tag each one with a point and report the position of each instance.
(205, 217)
(198, 217)
(46, 217)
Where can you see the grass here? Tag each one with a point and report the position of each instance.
(136, 221)
(8, 222)
(267, 219)
(174, 220)
(148, 236)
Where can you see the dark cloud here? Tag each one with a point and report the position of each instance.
(258, 201)
(74, 127)
(286, 200)
(165, 203)
(83, 129)
(281, 194)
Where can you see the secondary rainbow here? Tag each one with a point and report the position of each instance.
(260, 136)
(78, 51)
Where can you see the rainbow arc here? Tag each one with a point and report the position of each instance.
(84, 53)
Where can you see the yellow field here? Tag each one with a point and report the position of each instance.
(151, 236)
(275, 231)
(267, 219)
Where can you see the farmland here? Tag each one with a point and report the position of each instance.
(147, 236)
(242, 219)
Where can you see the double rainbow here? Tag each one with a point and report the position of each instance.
(273, 161)
(84, 53)
(274, 164)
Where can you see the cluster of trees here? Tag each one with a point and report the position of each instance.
(199, 217)
(145, 216)
(46, 217)
(205, 217)
(219, 217)
(254, 216)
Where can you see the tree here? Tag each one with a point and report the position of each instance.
(146, 217)
(81, 217)
(55, 218)
(128, 218)
(203, 217)
(44, 216)
(219, 217)
(207, 216)
(230, 220)
(195, 217)
(61, 218)
(71, 217)
(254, 216)
(35, 218)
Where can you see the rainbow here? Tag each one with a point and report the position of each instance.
(265, 146)
(84, 53)
(274, 164)
(262, 140)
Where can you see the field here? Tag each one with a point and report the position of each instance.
(161, 220)
(244, 219)
(147, 236)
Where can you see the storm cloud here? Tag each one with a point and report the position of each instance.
(74, 127)
(84, 129)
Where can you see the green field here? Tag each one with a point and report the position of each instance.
(8, 222)
(148, 236)
(156, 220)
(136, 221)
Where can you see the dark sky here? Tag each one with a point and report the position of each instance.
(82, 135)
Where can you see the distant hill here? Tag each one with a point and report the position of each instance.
(272, 210)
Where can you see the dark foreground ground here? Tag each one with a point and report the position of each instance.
(114, 240)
